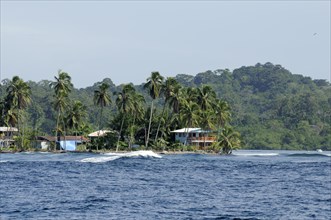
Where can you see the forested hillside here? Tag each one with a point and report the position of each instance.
(270, 107)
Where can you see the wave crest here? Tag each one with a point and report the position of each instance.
(309, 155)
(115, 156)
(256, 154)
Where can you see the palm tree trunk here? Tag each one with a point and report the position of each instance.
(218, 132)
(158, 127)
(57, 127)
(101, 110)
(149, 125)
(75, 138)
(20, 129)
(22, 134)
(132, 132)
(119, 135)
(64, 135)
(187, 131)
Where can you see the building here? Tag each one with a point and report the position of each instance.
(68, 143)
(194, 136)
(7, 135)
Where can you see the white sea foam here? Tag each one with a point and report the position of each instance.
(140, 153)
(115, 156)
(3, 161)
(256, 154)
(99, 159)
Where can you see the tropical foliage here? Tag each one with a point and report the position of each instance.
(270, 107)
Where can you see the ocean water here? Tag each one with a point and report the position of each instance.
(144, 185)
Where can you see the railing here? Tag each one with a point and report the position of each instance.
(207, 139)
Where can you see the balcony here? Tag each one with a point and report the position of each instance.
(201, 139)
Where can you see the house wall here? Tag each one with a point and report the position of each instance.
(203, 141)
(181, 137)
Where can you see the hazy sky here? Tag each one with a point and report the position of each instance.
(126, 41)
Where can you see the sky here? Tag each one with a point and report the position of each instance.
(127, 40)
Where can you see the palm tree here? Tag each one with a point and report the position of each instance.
(206, 122)
(167, 90)
(206, 96)
(60, 104)
(190, 94)
(189, 114)
(62, 87)
(174, 98)
(76, 115)
(102, 99)
(138, 113)
(62, 83)
(223, 115)
(229, 140)
(10, 118)
(18, 98)
(153, 85)
(124, 102)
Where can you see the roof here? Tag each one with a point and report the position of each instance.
(190, 130)
(99, 133)
(7, 129)
(67, 138)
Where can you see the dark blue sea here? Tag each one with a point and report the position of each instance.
(143, 185)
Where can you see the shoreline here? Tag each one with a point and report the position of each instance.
(101, 152)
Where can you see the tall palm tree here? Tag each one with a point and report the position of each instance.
(124, 102)
(102, 99)
(190, 94)
(206, 96)
(174, 98)
(167, 90)
(76, 115)
(189, 115)
(10, 118)
(222, 114)
(60, 104)
(62, 83)
(153, 85)
(18, 98)
(62, 87)
(138, 113)
(206, 122)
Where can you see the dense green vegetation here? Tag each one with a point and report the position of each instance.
(270, 107)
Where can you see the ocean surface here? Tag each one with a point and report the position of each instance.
(144, 185)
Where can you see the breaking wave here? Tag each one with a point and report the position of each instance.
(256, 154)
(141, 153)
(115, 156)
(309, 155)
